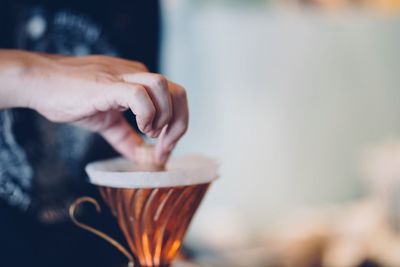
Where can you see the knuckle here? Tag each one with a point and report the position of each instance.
(182, 126)
(138, 91)
(103, 78)
(102, 69)
(159, 81)
(141, 66)
(180, 92)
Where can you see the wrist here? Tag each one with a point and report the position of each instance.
(14, 87)
(19, 77)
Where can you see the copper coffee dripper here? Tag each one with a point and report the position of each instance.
(154, 206)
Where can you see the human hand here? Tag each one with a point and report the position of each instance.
(93, 91)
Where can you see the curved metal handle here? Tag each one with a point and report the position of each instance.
(74, 206)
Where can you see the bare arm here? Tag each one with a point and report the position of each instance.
(92, 91)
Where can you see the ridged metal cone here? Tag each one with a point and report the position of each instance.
(154, 220)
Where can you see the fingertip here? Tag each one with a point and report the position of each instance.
(154, 133)
(151, 134)
(162, 159)
(146, 129)
(161, 154)
(158, 132)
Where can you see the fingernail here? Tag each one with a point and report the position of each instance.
(154, 133)
(157, 132)
(151, 133)
(147, 128)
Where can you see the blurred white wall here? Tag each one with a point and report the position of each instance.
(288, 101)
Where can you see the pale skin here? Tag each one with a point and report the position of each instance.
(92, 92)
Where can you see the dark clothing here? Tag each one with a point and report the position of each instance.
(42, 163)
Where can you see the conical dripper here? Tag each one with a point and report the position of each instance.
(154, 220)
(154, 209)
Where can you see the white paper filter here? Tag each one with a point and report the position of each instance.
(121, 173)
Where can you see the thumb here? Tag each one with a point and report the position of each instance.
(120, 135)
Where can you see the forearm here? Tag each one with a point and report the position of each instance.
(14, 82)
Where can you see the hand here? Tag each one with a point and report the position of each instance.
(93, 91)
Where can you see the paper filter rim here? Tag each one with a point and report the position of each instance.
(182, 171)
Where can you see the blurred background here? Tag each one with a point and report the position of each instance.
(299, 102)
